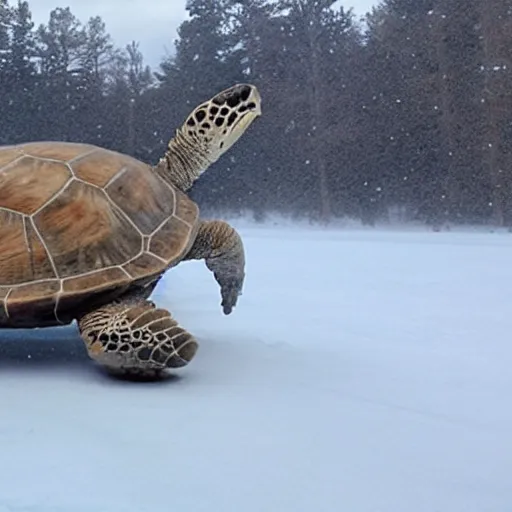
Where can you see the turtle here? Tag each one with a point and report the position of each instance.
(88, 232)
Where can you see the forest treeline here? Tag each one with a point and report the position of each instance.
(407, 112)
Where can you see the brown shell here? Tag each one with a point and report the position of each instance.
(80, 224)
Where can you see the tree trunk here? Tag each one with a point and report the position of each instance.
(130, 141)
(316, 102)
(491, 127)
(448, 202)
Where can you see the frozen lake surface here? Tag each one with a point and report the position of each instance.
(362, 371)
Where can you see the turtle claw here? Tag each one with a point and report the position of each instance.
(230, 292)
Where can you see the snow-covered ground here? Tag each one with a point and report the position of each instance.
(362, 371)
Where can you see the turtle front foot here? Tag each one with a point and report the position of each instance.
(136, 339)
(222, 248)
(230, 289)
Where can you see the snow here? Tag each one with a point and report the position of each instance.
(362, 371)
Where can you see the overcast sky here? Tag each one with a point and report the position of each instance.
(151, 22)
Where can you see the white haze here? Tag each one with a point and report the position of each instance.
(362, 371)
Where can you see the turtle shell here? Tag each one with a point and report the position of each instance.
(79, 225)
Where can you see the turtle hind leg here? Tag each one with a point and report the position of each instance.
(136, 339)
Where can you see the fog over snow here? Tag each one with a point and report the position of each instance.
(362, 371)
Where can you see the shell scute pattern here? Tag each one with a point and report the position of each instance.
(76, 220)
(83, 233)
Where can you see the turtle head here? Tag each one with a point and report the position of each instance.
(208, 132)
(217, 124)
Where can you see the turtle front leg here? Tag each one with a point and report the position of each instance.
(136, 338)
(222, 249)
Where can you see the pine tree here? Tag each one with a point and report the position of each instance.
(130, 110)
(61, 45)
(316, 35)
(20, 75)
(95, 52)
(494, 21)
(5, 16)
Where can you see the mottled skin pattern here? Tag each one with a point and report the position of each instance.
(133, 337)
(209, 131)
(106, 287)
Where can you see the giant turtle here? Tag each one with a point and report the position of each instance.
(86, 233)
